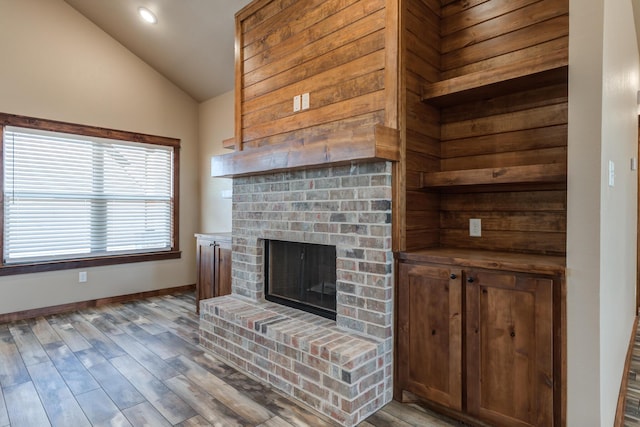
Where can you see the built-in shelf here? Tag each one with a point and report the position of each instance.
(535, 72)
(229, 143)
(493, 260)
(529, 174)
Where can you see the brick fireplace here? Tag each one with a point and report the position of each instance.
(342, 368)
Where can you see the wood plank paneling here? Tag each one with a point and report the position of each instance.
(473, 13)
(509, 58)
(533, 13)
(510, 158)
(324, 34)
(344, 54)
(372, 80)
(529, 222)
(527, 139)
(507, 122)
(329, 62)
(335, 50)
(521, 39)
(422, 63)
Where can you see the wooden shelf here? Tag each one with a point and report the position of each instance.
(530, 174)
(229, 143)
(364, 144)
(493, 260)
(539, 71)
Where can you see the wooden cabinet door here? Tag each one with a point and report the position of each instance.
(206, 252)
(430, 333)
(509, 348)
(223, 269)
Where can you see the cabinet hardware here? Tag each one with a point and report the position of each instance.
(470, 280)
(453, 276)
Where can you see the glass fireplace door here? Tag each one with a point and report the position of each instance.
(301, 275)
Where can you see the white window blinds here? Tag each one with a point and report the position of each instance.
(69, 196)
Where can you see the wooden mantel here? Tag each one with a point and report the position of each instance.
(363, 144)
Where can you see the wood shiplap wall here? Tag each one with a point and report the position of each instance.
(479, 35)
(333, 49)
(422, 62)
(448, 39)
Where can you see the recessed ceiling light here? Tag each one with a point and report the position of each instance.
(147, 15)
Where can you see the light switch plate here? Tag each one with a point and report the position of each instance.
(305, 101)
(612, 173)
(296, 103)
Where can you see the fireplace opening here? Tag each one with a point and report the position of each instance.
(302, 276)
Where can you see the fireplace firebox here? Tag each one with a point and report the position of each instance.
(302, 276)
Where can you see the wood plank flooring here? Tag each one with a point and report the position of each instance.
(139, 364)
(632, 397)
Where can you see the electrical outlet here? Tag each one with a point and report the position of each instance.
(296, 103)
(475, 227)
(82, 277)
(305, 101)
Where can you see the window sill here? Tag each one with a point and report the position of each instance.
(7, 270)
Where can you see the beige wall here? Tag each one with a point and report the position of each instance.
(618, 204)
(58, 65)
(601, 255)
(216, 123)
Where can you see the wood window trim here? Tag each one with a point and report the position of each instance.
(85, 130)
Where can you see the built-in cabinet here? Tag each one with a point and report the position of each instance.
(480, 341)
(213, 266)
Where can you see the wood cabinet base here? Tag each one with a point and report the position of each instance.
(213, 266)
(484, 344)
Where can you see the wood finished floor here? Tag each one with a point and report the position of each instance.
(632, 398)
(138, 364)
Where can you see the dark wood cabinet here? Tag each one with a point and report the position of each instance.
(483, 343)
(213, 266)
(509, 348)
(430, 333)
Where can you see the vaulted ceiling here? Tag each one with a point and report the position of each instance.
(192, 44)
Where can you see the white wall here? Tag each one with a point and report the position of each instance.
(601, 256)
(216, 124)
(58, 65)
(618, 204)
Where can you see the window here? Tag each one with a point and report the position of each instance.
(76, 195)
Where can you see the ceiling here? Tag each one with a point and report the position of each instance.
(192, 44)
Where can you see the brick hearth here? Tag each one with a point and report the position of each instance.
(341, 368)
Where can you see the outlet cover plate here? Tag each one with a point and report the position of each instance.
(475, 227)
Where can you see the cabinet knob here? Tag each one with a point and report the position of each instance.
(453, 276)
(470, 280)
